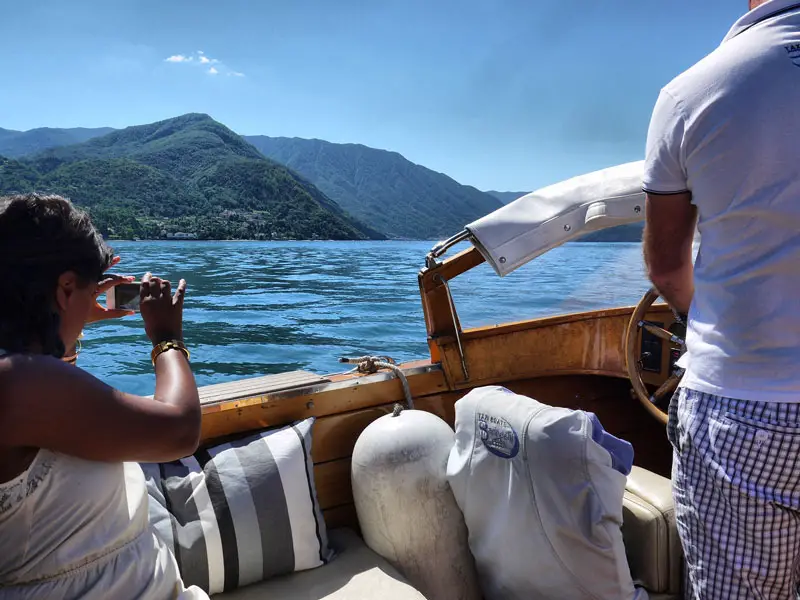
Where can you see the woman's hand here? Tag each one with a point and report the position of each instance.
(162, 312)
(102, 313)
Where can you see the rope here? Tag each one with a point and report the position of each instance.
(371, 364)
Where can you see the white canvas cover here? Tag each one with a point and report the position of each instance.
(530, 226)
(541, 491)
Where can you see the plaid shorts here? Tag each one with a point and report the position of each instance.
(736, 484)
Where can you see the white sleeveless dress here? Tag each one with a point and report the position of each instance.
(73, 528)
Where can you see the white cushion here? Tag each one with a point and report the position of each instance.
(651, 535)
(242, 511)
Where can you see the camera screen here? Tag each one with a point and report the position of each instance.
(127, 296)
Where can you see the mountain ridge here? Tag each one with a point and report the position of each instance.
(188, 174)
(15, 144)
(400, 198)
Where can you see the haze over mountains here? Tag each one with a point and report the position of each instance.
(192, 174)
(14, 144)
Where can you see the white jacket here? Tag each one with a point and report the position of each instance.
(541, 491)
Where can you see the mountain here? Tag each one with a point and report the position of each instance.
(189, 174)
(15, 144)
(632, 232)
(506, 197)
(395, 196)
(193, 174)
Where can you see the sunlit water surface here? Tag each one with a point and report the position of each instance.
(256, 308)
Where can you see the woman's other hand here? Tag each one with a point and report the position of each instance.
(161, 310)
(100, 312)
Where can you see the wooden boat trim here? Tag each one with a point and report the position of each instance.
(538, 323)
(327, 384)
(344, 393)
(246, 388)
(588, 343)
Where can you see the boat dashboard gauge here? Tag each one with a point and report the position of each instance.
(651, 354)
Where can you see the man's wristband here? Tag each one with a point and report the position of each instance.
(162, 347)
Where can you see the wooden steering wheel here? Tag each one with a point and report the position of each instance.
(673, 343)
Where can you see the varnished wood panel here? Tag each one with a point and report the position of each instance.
(257, 386)
(336, 435)
(342, 516)
(341, 396)
(586, 346)
(332, 480)
(439, 319)
(451, 267)
(580, 344)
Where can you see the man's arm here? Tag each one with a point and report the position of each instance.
(670, 221)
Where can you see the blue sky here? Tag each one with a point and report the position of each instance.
(502, 94)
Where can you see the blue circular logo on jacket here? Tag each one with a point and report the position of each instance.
(498, 436)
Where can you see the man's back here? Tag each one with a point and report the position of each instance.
(729, 132)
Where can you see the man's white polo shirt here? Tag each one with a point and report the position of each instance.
(728, 130)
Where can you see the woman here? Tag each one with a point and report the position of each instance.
(73, 514)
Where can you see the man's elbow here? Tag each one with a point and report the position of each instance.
(667, 278)
(661, 277)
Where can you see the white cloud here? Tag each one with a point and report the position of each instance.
(200, 58)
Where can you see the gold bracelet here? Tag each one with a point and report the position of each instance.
(162, 347)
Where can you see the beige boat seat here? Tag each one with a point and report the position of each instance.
(357, 573)
(651, 536)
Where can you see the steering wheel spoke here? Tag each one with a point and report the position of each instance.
(666, 388)
(636, 326)
(661, 332)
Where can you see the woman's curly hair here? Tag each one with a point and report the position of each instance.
(42, 237)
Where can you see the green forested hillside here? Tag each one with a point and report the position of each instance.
(15, 144)
(397, 197)
(194, 175)
(188, 174)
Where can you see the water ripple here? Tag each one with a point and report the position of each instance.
(255, 308)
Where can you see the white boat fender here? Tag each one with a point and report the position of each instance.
(405, 507)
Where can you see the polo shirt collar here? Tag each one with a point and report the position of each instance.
(761, 13)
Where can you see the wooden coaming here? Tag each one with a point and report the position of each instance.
(574, 361)
(580, 344)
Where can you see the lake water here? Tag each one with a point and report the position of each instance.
(256, 308)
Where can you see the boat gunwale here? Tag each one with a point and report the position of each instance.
(336, 382)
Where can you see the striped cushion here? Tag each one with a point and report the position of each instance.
(241, 512)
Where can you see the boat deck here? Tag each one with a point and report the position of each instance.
(258, 386)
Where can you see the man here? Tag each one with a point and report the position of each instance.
(724, 147)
